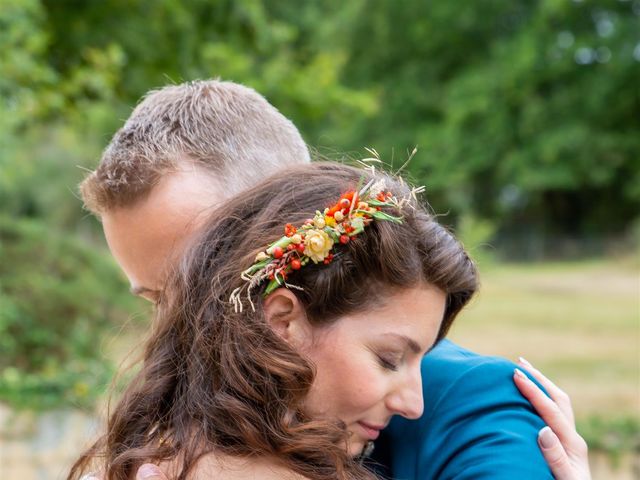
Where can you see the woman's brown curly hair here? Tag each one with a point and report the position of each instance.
(215, 380)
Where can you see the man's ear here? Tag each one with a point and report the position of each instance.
(286, 316)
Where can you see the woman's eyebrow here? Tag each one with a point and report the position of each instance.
(410, 342)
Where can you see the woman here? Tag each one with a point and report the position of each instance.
(283, 356)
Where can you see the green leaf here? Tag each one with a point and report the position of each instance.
(283, 243)
(258, 266)
(386, 217)
(332, 233)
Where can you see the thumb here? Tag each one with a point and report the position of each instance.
(554, 454)
(149, 471)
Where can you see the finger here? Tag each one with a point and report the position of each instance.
(558, 395)
(149, 471)
(555, 455)
(551, 387)
(545, 406)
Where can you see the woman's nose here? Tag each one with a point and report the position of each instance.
(407, 400)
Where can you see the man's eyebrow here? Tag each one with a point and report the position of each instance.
(411, 343)
(140, 290)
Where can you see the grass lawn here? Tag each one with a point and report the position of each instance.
(578, 322)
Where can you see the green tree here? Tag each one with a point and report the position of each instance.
(59, 294)
(524, 111)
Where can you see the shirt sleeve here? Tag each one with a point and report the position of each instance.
(478, 427)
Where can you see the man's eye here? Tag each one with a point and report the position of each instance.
(387, 363)
(153, 296)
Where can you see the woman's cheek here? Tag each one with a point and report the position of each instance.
(370, 385)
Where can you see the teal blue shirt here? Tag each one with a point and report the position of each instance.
(476, 424)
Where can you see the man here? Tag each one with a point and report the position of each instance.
(187, 147)
(183, 149)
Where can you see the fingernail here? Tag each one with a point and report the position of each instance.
(148, 470)
(524, 361)
(520, 374)
(546, 437)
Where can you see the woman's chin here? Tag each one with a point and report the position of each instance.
(356, 447)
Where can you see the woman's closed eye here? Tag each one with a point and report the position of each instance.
(389, 361)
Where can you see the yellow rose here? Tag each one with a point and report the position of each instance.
(317, 245)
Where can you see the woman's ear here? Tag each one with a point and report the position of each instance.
(286, 316)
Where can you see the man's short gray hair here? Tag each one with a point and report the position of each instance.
(225, 128)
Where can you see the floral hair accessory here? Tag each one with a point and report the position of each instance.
(315, 240)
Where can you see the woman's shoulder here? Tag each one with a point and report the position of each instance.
(216, 466)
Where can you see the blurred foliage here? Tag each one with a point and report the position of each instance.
(56, 295)
(525, 113)
(476, 234)
(613, 436)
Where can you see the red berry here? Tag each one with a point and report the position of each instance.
(291, 247)
(300, 247)
(295, 264)
(344, 239)
(277, 252)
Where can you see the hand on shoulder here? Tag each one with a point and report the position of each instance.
(563, 448)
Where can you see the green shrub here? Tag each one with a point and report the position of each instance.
(612, 436)
(476, 235)
(58, 297)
